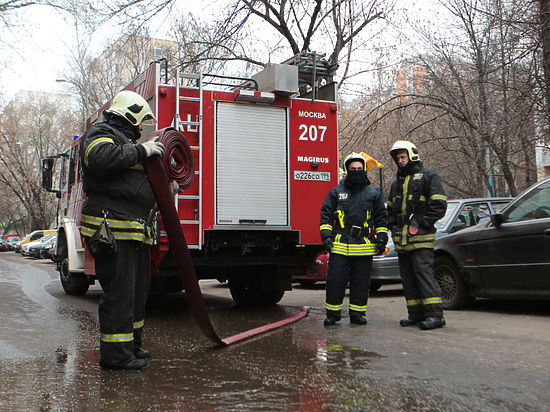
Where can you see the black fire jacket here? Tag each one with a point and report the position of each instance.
(115, 182)
(345, 208)
(416, 197)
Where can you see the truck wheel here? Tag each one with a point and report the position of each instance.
(73, 283)
(247, 291)
(241, 291)
(273, 296)
(454, 291)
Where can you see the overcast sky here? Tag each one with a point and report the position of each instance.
(36, 51)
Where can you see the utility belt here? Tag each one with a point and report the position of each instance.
(356, 231)
(119, 208)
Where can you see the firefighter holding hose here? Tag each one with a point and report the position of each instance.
(350, 212)
(117, 218)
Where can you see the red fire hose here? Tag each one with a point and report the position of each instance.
(177, 164)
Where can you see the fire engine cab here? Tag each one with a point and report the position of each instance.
(266, 154)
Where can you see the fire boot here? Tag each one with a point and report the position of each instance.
(409, 322)
(332, 318)
(357, 319)
(142, 354)
(432, 323)
(133, 364)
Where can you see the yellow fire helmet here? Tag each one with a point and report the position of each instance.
(408, 146)
(354, 157)
(132, 107)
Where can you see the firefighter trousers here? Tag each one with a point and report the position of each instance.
(125, 279)
(422, 292)
(341, 269)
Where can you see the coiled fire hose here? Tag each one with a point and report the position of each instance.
(177, 164)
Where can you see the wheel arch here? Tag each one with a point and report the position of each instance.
(71, 245)
(439, 253)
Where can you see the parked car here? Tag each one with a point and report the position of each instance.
(3, 245)
(48, 250)
(461, 213)
(33, 248)
(31, 237)
(36, 250)
(506, 256)
(7, 236)
(12, 241)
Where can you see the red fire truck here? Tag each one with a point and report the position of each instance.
(266, 155)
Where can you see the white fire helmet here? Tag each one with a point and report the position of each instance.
(408, 146)
(354, 157)
(132, 107)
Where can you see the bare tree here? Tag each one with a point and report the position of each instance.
(544, 16)
(337, 26)
(32, 126)
(474, 103)
(97, 79)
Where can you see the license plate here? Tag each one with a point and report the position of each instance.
(316, 176)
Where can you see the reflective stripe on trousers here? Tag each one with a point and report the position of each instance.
(341, 269)
(422, 292)
(125, 279)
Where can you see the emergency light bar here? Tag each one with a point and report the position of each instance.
(253, 96)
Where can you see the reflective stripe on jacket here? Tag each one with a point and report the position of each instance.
(121, 229)
(344, 208)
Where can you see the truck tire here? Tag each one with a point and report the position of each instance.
(454, 291)
(241, 290)
(73, 283)
(272, 296)
(247, 290)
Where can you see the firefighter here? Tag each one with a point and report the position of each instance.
(350, 212)
(416, 201)
(118, 193)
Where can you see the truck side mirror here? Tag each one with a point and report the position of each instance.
(47, 169)
(497, 219)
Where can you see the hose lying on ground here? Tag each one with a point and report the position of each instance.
(177, 163)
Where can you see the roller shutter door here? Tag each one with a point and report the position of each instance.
(251, 165)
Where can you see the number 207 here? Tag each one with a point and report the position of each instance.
(312, 132)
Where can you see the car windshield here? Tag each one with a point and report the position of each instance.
(451, 207)
(534, 205)
(46, 238)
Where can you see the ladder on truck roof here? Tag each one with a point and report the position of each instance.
(180, 125)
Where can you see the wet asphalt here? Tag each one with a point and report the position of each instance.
(489, 358)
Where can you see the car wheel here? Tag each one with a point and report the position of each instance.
(454, 291)
(72, 283)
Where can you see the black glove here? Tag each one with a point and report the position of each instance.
(380, 248)
(328, 243)
(382, 238)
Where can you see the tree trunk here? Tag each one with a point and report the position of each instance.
(545, 40)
